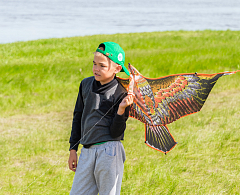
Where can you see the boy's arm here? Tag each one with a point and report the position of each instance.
(76, 131)
(119, 124)
(119, 121)
(76, 123)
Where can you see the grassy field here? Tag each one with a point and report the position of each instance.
(39, 83)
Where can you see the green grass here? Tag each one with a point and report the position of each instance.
(39, 83)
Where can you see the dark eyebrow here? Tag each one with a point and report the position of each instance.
(99, 63)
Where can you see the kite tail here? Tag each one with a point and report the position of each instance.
(159, 138)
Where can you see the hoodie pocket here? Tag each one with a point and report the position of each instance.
(110, 151)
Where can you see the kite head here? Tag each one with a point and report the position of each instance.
(133, 73)
(136, 82)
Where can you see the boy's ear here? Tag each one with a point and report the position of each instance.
(118, 69)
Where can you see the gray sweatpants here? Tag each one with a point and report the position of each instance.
(99, 170)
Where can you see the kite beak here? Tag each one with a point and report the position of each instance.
(133, 70)
(130, 68)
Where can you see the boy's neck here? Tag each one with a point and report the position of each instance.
(98, 88)
(108, 82)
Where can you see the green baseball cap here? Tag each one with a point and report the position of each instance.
(115, 53)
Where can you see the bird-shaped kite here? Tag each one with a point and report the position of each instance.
(163, 100)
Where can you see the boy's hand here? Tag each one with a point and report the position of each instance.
(72, 161)
(127, 101)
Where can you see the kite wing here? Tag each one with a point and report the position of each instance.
(163, 100)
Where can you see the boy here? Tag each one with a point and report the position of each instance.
(99, 122)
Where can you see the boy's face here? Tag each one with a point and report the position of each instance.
(104, 69)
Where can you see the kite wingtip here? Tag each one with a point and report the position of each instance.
(230, 72)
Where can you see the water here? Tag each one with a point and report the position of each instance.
(22, 20)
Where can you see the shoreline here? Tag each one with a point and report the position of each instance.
(121, 34)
